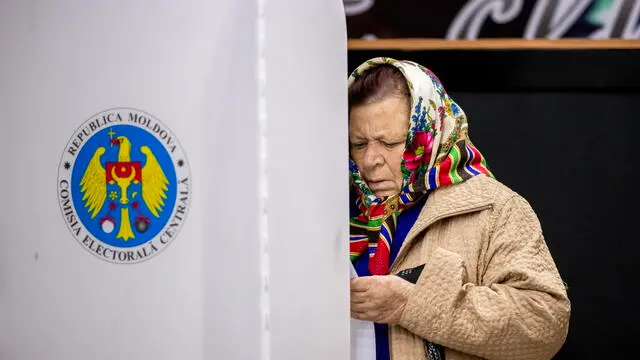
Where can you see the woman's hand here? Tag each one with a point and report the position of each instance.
(379, 299)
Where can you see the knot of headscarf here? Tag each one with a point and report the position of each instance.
(438, 152)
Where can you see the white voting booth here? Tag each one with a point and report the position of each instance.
(173, 180)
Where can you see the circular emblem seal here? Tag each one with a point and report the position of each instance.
(124, 186)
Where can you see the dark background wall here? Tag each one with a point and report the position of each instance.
(574, 156)
(560, 128)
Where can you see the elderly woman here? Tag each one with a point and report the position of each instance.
(452, 264)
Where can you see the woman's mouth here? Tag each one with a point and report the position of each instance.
(376, 185)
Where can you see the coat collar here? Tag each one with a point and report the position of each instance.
(469, 196)
(455, 199)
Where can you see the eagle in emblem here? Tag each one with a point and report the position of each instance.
(123, 173)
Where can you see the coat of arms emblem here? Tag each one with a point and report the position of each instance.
(124, 185)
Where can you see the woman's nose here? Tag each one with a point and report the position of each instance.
(373, 156)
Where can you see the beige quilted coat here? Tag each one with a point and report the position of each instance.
(490, 288)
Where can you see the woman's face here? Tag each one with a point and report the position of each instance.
(377, 134)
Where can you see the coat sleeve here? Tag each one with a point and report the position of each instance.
(520, 311)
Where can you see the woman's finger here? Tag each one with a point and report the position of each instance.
(365, 315)
(361, 284)
(363, 306)
(358, 307)
(366, 306)
(359, 297)
(362, 316)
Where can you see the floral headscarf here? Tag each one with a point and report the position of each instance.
(438, 152)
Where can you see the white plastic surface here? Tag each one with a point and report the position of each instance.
(194, 66)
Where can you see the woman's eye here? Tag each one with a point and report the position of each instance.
(394, 144)
(358, 146)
